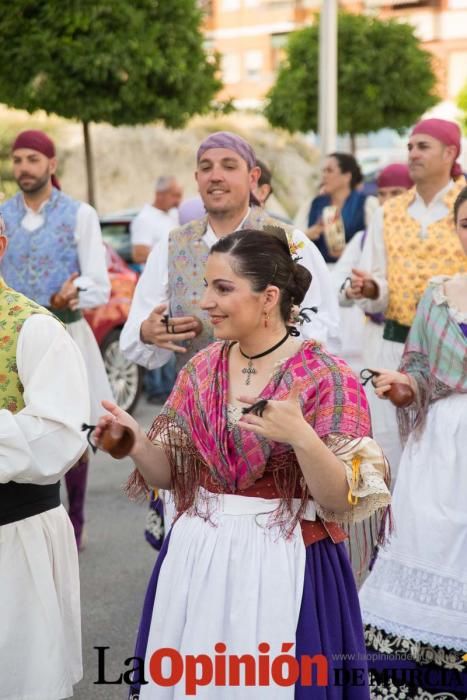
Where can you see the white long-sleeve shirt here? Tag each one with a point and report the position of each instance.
(152, 290)
(94, 278)
(373, 259)
(39, 443)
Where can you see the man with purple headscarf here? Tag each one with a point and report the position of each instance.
(411, 239)
(165, 317)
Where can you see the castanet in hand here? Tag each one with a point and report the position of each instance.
(118, 446)
(401, 395)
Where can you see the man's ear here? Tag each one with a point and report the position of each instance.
(450, 152)
(53, 165)
(255, 174)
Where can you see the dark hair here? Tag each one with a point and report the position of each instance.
(461, 198)
(348, 164)
(263, 257)
(266, 175)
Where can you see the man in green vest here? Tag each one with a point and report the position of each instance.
(43, 402)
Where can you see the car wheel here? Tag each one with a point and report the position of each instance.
(125, 377)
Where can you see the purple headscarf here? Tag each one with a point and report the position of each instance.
(225, 139)
(190, 210)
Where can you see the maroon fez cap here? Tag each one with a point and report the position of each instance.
(37, 141)
(395, 175)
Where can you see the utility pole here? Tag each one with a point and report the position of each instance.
(328, 77)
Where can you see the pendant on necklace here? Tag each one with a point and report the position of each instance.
(248, 371)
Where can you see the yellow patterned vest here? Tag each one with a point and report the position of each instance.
(15, 309)
(413, 260)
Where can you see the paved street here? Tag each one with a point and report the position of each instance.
(115, 568)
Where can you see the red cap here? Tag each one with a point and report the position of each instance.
(37, 141)
(447, 132)
(395, 175)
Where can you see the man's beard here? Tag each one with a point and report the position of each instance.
(34, 185)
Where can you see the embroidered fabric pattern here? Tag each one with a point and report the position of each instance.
(422, 653)
(380, 691)
(407, 632)
(420, 586)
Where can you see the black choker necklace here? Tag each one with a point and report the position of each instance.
(250, 369)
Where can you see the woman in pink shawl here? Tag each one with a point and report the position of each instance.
(265, 443)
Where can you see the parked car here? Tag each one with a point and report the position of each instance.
(106, 321)
(116, 232)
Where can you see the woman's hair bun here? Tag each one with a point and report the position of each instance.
(299, 283)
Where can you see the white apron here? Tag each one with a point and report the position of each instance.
(418, 587)
(40, 625)
(219, 582)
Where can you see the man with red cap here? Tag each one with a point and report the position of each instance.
(56, 257)
(365, 330)
(412, 238)
(44, 401)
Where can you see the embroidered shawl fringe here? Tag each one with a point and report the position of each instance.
(430, 389)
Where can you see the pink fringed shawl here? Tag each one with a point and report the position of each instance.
(192, 426)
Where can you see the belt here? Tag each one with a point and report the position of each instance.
(20, 501)
(395, 331)
(67, 315)
(231, 504)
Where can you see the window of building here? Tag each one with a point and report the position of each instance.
(278, 52)
(231, 69)
(253, 65)
(231, 4)
(457, 72)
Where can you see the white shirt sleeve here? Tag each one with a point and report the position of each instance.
(373, 260)
(349, 259)
(151, 290)
(41, 442)
(94, 278)
(324, 325)
(141, 230)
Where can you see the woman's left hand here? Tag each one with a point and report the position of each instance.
(281, 420)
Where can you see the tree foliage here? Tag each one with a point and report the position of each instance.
(462, 104)
(385, 79)
(116, 61)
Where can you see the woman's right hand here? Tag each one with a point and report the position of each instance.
(315, 231)
(115, 420)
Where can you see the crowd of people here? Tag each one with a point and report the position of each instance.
(271, 461)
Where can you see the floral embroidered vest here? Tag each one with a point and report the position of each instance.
(413, 260)
(188, 254)
(38, 262)
(15, 309)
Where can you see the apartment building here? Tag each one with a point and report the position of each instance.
(251, 35)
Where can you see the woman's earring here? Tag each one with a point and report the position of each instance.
(266, 319)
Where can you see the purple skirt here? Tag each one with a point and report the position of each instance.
(330, 623)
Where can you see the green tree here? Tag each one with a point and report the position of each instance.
(112, 61)
(462, 104)
(385, 79)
